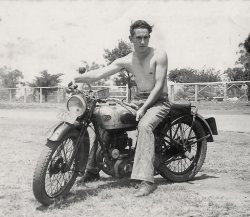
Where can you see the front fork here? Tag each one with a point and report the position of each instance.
(100, 141)
(82, 143)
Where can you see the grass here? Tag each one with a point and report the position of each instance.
(220, 189)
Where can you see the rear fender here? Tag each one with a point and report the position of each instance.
(206, 127)
(203, 122)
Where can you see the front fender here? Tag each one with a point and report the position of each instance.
(60, 130)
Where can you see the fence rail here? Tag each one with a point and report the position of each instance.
(235, 91)
(50, 94)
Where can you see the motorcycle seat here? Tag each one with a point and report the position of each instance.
(179, 109)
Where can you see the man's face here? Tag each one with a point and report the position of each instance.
(140, 39)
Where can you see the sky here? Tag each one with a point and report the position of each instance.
(58, 35)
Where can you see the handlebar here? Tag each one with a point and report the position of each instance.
(72, 89)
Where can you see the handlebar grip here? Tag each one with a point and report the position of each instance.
(70, 84)
(82, 70)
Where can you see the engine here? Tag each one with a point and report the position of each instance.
(119, 147)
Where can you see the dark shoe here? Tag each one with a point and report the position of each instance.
(145, 189)
(90, 177)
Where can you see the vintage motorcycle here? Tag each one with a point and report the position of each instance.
(180, 142)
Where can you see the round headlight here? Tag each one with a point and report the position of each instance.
(77, 105)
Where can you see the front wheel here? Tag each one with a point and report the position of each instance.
(182, 139)
(55, 172)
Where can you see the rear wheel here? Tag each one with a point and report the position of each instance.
(183, 151)
(55, 172)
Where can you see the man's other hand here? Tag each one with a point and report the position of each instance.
(140, 113)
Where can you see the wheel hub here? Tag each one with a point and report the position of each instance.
(58, 166)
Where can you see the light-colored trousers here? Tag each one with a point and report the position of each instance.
(143, 167)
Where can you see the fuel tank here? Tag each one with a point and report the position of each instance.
(112, 116)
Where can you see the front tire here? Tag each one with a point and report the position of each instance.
(53, 177)
(176, 166)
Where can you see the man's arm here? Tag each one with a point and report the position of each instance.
(160, 81)
(95, 75)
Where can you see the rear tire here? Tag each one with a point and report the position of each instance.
(52, 178)
(182, 169)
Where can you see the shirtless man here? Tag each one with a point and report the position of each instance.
(149, 67)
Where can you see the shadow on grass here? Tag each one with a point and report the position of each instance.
(202, 177)
(110, 183)
(86, 191)
(162, 181)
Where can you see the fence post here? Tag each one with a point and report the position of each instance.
(58, 95)
(196, 92)
(225, 91)
(41, 95)
(127, 93)
(172, 92)
(10, 96)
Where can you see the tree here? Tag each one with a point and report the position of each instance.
(244, 59)
(46, 80)
(235, 74)
(241, 71)
(188, 75)
(121, 50)
(182, 75)
(10, 78)
(247, 44)
(94, 66)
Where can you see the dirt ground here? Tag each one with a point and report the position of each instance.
(221, 188)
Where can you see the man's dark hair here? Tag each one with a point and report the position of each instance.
(140, 24)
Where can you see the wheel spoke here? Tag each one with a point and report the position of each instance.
(176, 128)
(56, 178)
(183, 135)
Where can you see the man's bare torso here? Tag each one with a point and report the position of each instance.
(143, 70)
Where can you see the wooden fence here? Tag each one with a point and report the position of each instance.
(235, 91)
(210, 91)
(51, 94)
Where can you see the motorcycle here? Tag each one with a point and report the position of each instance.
(180, 142)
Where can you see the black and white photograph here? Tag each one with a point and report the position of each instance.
(134, 108)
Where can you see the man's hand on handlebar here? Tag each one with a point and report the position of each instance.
(72, 85)
(82, 70)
